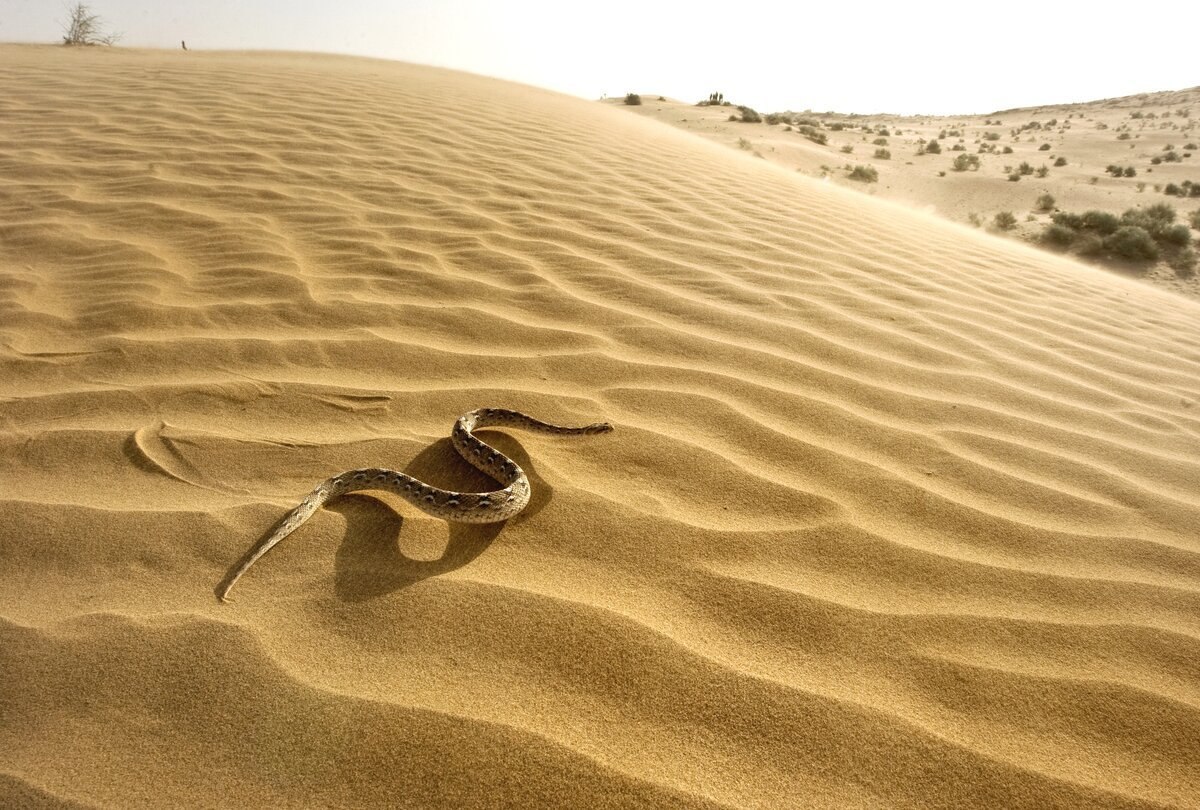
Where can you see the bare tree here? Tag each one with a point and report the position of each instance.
(84, 28)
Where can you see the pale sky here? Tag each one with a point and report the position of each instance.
(919, 56)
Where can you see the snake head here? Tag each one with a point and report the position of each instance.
(599, 427)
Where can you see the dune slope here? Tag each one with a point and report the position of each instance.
(895, 513)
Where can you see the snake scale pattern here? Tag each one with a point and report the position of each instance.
(460, 507)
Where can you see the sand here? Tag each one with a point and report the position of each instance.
(1130, 131)
(896, 513)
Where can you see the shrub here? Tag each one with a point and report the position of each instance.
(1171, 157)
(776, 118)
(866, 174)
(1005, 220)
(991, 136)
(837, 127)
(1042, 171)
(1044, 147)
(1130, 171)
(84, 28)
(883, 154)
(1058, 236)
(1102, 222)
(813, 134)
(932, 148)
(1006, 150)
(1014, 177)
(1025, 168)
(880, 142)
(1062, 161)
(744, 144)
(964, 162)
(1089, 245)
(749, 116)
(633, 99)
(1124, 136)
(1154, 219)
(1172, 189)
(1067, 220)
(847, 149)
(1177, 235)
(1045, 202)
(1132, 242)
(1195, 219)
(1184, 263)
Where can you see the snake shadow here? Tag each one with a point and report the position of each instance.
(370, 563)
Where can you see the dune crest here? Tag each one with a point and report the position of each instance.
(896, 513)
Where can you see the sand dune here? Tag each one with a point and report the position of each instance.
(895, 513)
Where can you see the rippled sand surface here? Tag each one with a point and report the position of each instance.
(895, 514)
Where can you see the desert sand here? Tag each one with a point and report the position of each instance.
(1129, 131)
(896, 513)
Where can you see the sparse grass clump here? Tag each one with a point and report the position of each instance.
(865, 174)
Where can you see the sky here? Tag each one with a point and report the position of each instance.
(918, 57)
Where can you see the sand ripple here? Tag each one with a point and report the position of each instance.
(896, 514)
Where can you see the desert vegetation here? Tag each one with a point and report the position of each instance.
(83, 27)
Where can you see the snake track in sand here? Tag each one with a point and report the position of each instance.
(460, 507)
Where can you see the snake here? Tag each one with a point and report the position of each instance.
(460, 507)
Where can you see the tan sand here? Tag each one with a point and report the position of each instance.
(1129, 132)
(896, 513)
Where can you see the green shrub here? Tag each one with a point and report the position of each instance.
(932, 148)
(883, 154)
(865, 174)
(1172, 189)
(1178, 235)
(749, 116)
(1184, 263)
(1089, 245)
(1062, 161)
(964, 162)
(1154, 219)
(1058, 236)
(1004, 220)
(813, 134)
(1045, 202)
(1067, 220)
(1132, 242)
(1102, 222)
(633, 99)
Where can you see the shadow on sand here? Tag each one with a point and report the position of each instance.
(370, 562)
